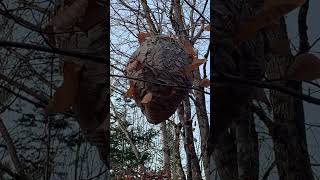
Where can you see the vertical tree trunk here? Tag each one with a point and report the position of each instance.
(230, 101)
(177, 170)
(184, 112)
(288, 134)
(247, 148)
(166, 150)
(176, 152)
(225, 157)
(222, 152)
(203, 124)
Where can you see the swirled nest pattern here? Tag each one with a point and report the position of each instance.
(159, 81)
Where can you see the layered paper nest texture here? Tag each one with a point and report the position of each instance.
(158, 81)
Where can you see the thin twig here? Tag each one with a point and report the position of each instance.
(262, 84)
(197, 11)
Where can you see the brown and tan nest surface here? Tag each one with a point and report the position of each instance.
(157, 77)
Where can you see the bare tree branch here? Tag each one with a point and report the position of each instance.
(67, 52)
(13, 174)
(197, 11)
(263, 84)
(11, 147)
(147, 12)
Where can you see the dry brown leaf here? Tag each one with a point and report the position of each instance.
(207, 28)
(142, 36)
(94, 14)
(69, 15)
(305, 67)
(272, 10)
(205, 83)
(195, 64)
(283, 4)
(147, 98)
(131, 89)
(131, 66)
(65, 95)
(188, 47)
(280, 47)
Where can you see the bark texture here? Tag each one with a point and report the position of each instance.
(193, 168)
(290, 144)
(166, 150)
(176, 152)
(247, 148)
(230, 101)
(203, 122)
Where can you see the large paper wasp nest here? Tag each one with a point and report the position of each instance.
(159, 81)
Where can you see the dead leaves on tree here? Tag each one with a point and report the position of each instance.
(65, 95)
(204, 83)
(187, 46)
(131, 90)
(271, 12)
(194, 65)
(280, 47)
(133, 66)
(305, 67)
(142, 36)
(69, 15)
(147, 98)
(207, 28)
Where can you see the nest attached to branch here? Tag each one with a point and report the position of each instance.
(159, 80)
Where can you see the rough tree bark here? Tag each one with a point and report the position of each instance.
(193, 168)
(247, 148)
(176, 152)
(203, 122)
(230, 101)
(165, 148)
(290, 144)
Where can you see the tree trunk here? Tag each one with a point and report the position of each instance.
(165, 148)
(176, 150)
(247, 148)
(225, 157)
(230, 101)
(290, 144)
(184, 112)
(203, 124)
